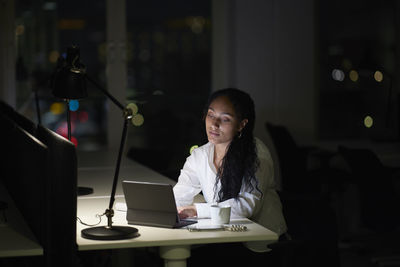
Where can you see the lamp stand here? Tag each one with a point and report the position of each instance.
(69, 82)
(82, 191)
(111, 232)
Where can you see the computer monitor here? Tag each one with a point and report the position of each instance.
(61, 197)
(40, 174)
(23, 173)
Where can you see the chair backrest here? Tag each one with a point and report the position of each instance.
(293, 163)
(378, 200)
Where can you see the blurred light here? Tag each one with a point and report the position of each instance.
(53, 56)
(74, 141)
(368, 121)
(138, 120)
(50, 6)
(73, 105)
(338, 75)
(378, 76)
(19, 30)
(63, 129)
(353, 75)
(193, 148)
(74, 116)
(71, 24)
(57, 108)
(83, 116)
(133, 107)
(196, 24)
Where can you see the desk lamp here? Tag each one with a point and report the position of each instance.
(70, 83)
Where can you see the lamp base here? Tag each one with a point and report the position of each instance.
(110, 233)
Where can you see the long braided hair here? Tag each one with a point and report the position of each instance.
(240, 162)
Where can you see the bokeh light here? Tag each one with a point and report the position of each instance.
(57, 108)
(19, 30)
(63, 129)
(133, 107)
(353, 75)
(73, 105)
(368, 121)
(83, 116)
(137, 120)
(193, 148)
(74, 141)
(74, 116)
(338, 75)
(53, 56)
(378, 76)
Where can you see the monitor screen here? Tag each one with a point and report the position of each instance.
(24, 173)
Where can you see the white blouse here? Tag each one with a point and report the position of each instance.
(199, 175)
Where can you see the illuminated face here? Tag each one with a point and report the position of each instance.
(222, 124)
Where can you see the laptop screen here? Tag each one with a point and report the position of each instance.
(149, 196)
(151, 204)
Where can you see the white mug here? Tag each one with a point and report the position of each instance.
(220, 214)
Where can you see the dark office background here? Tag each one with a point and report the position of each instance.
(168, 57)
(169, 61)
(169, 51)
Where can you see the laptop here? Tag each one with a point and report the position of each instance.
(152, 204)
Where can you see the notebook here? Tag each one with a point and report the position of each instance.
(152, 204)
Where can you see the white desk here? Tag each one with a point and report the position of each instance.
(16, 239)
(174, 244)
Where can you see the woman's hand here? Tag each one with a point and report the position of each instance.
(187, 211)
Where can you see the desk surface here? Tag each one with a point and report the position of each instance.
(100, 178)
(155, 236)
(16, 237)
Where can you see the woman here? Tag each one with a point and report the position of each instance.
(233, 168)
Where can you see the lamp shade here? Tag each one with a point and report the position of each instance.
(69, 81)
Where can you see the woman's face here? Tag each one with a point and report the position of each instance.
(222, 123)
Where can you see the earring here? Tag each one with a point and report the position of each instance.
(240, 135)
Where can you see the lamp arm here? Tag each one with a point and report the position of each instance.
(127, 115)
(121, 148)
(98, 86)
(110, 213)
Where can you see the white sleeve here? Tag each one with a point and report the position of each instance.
(250, 199)
(241, 207)
(246, 202)
(188, 184)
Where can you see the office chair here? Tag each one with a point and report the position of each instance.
(379, 204)
(311, 220)
(296, 175)
(312, 232)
